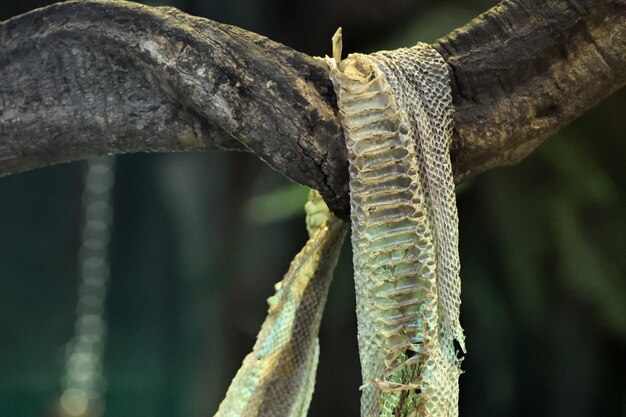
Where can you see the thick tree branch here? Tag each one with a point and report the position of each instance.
(81, 79)
(527, 68)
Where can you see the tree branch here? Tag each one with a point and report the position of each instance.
(525, 69)
(85, 78)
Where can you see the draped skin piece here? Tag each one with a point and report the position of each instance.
(396, 111)
(278, 377)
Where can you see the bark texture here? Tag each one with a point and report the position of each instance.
(525, 69)
(86, 78)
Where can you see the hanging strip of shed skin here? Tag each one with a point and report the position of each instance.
(277, 378)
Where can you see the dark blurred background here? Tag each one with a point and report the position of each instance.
(200, 239)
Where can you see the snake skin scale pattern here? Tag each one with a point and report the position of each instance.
(396, 111)
(277, 378)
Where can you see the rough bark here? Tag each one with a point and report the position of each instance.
(525, 69)
(82, 79)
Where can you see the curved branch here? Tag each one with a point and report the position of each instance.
(525, 69)
(86, 78)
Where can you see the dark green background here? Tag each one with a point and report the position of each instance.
(199, 240)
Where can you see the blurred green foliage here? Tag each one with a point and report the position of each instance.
(200, 239)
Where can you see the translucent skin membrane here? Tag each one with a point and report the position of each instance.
(278, 377)
(396, 111)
